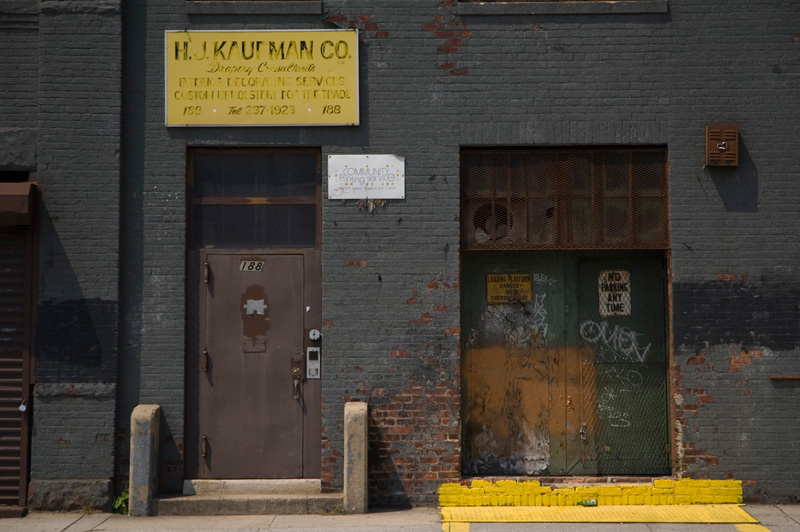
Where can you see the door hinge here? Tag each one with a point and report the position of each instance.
(205, 272)
(203, 446)
(205, 361)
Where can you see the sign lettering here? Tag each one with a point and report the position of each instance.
(261, 78)
(508, 288)
(614, 291)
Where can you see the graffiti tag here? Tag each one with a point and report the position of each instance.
(619, 343)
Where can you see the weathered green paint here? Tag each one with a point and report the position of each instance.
(552, 387)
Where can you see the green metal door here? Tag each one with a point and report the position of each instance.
(552, 383)
(510, 364)
(624, 366)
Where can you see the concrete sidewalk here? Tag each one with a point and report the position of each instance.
(772, 518)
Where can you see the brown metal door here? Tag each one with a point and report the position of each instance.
(253, 393)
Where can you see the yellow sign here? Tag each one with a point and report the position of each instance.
(261, 78)
(508, 288)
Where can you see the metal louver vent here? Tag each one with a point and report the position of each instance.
(564, 198)
(722, 145)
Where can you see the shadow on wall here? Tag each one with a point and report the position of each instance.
(737, 187)
(386, 488)
(76, 337)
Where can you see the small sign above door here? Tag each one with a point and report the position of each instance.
(366, 177)
(508, 288)
(614, 291)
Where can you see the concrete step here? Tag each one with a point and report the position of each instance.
(249, 504)
(281, 486)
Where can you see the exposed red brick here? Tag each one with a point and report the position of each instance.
(430, 27)
(727, 276)
(433, 285)
(447, 65)
(401, 354)
(462, 72)
(358, 263)
(327, 323)
(447, 49)
(382, 35)
(453, 330)
(362, 18)
(371, 26)
(696, 360)
(336, 18)
(750, 483)
(440, 308)
(426, 317)
(710, 460)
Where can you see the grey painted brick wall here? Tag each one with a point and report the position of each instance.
(433, 81)
(61, 117)
(19, 37)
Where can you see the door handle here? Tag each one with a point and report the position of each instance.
(297, 374)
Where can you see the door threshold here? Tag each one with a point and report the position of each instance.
(280, 486)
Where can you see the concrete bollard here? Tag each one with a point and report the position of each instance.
(145, 424)
(355, 457)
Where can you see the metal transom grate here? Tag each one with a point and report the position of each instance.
(567, 198)
(255, 198)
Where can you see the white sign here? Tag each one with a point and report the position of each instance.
(614, 290)
(366, 177)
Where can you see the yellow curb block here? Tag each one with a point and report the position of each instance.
(531, 493)
(709, 513)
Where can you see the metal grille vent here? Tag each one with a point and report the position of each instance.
(255, 199)
(564, 199)
(722, 145)
(12, 349)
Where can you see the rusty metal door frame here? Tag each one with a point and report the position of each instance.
(312, 288)
(19, 230)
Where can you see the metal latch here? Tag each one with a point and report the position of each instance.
(297, 374)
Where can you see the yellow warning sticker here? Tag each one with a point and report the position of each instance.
(508, 288)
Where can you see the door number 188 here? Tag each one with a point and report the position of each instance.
(251, 265)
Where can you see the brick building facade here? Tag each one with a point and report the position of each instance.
(120, 220)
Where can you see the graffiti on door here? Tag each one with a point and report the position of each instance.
(618, 345)
(614, 350)
(509, 413)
